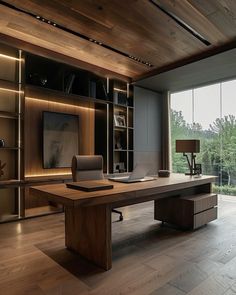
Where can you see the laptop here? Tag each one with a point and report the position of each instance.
(138, 175)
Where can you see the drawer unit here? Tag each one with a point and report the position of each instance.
(187, 211)
(204, 217)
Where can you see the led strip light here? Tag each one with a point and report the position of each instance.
(80, 35)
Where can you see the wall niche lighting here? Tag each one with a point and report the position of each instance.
(48, 174)
(33, 99)
(9, 57)
(11, 90)
(120, 90)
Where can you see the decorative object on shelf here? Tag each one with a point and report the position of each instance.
(198, 169)
(189, 146)
(120, 97)
(119, 120)
(119, 167)
(2, 143)
(163, 173)
(69, 83)
(1, 168)
(120, 139)
(38, 79)
(118, 143)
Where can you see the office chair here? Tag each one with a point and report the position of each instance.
(89, 168)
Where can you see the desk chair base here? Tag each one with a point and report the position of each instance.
(120, 213)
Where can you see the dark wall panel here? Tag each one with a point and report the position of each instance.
(148, 112)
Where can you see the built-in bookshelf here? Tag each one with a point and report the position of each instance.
(123, 127)
(10, 132)
(30, 85)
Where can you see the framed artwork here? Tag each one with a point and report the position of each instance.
(119, 121)
(60, 139)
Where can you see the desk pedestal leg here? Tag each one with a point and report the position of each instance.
(88, 232)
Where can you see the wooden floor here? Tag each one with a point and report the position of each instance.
(147, 258)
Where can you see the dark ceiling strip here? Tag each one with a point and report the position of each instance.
(195, 58)
(182, 23)
(52, 23)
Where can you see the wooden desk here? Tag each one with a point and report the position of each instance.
(88, 214)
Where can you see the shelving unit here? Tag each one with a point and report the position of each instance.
(31, 84)
(48, 74)
(10, 132)
(123, 131)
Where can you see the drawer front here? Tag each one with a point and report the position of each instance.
(205, 203)
(203, 218)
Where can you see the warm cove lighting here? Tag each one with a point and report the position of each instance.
(120, 90)
(11, 90)
(9, 57)
(47, 174)
(61, 103)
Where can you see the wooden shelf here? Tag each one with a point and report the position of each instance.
(122, 150)
(119, 128)
(8, 85)
(59, 96)
(120, 105)
(10, 148)
(31, 179)
(10, 183)
(8, 217)
(9, 115)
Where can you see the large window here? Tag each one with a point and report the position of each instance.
(209, 114)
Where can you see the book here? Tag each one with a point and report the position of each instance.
(89, 186)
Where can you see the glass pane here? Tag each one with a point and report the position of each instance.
(181, 120)
(207, 110)
(228, 137)
(209, 114)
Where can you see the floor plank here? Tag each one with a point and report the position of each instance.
(147, 258)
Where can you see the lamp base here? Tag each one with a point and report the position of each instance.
(191, 174)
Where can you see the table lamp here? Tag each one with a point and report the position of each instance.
(189, 146)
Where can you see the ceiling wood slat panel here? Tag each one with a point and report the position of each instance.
(130, 29)
(134, 27)
(194, 18)
(32, 31)
(222, 13)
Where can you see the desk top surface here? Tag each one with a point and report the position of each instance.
(61, 194)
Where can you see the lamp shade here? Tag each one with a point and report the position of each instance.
(187, 146)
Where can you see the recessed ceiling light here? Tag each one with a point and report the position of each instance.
(75, 33)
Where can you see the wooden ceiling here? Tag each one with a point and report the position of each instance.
(159, 32)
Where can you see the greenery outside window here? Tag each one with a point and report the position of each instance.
(209, 114)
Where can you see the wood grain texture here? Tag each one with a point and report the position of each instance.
(33, 140)
(51, 54)
(88, 232)
(204, 217)
(88, 214)
(147, 258)
(123, 192)
(189, 211)
(163, 40)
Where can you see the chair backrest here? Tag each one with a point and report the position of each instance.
(87, 168)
